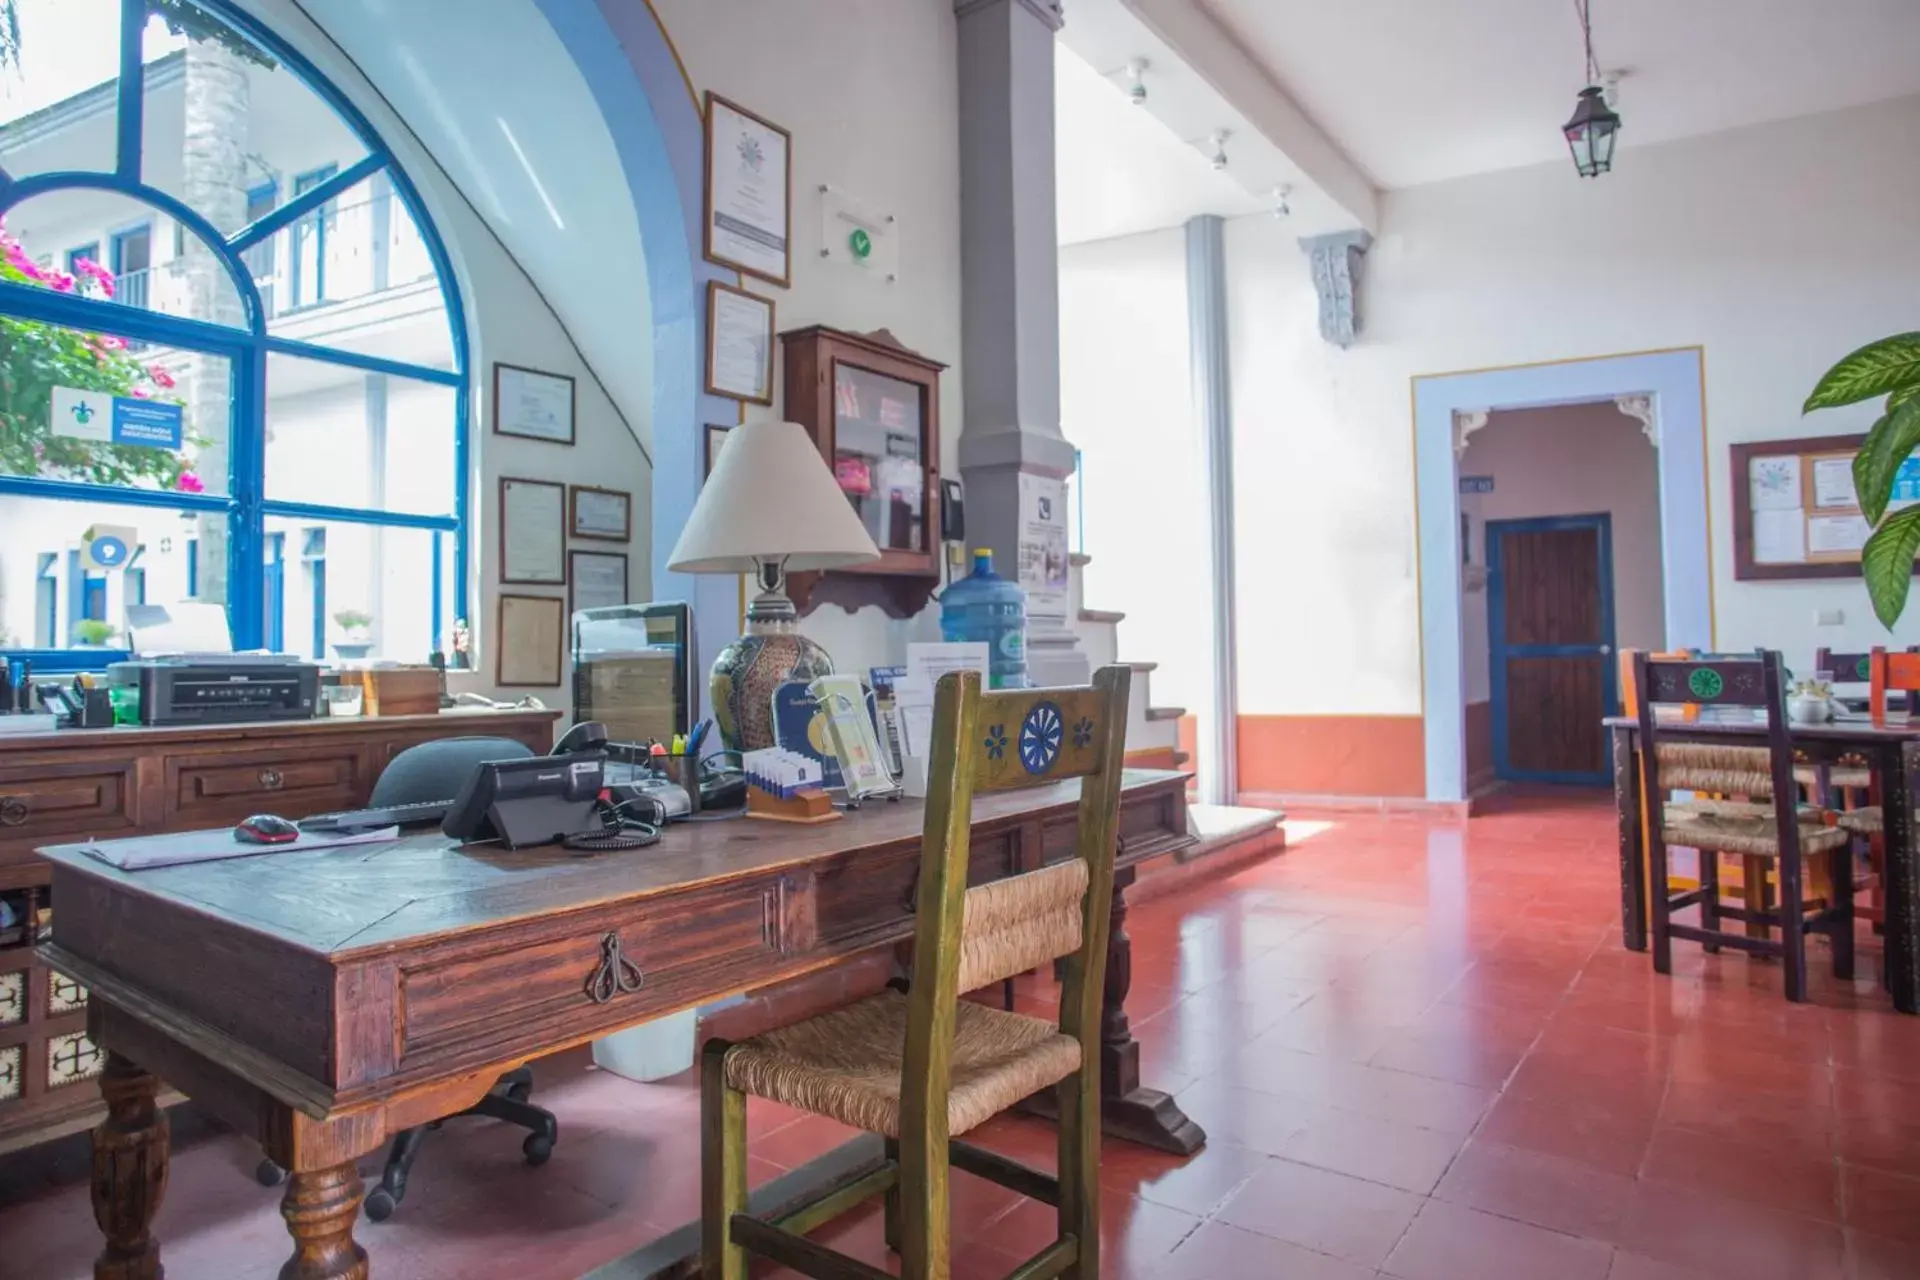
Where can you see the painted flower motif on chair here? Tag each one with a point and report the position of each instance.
(996, 741)
(1082, 733)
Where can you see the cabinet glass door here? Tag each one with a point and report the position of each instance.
(879, 455)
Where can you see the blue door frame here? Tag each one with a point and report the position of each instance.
(275, 595)
(1498, 650)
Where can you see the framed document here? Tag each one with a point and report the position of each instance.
(596, 579)
(739, 344)
(606, 514)
(532, 405)
(528, 647)
(533, 531)
(716, 440)
(749, 196)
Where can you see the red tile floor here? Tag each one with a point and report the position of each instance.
(1417, 1046)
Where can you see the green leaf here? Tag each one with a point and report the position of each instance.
(1881, 453)
(1886, 562)
(1891, 364)
(1905, 395)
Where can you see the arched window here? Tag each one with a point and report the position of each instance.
(232, 357)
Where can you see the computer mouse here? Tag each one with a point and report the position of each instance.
(265, 828)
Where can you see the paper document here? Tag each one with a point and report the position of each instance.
(913, 692)
(144, 853)
(1837, 535)
(1779, 537)
(1833, 483)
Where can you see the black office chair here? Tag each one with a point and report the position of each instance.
(437, 771)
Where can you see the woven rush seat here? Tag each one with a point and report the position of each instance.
(1866, 821)
(1717, 767)
(1845, 777)
(845, 1065)
(1728, 833)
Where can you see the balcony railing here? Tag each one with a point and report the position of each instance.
(336, 254)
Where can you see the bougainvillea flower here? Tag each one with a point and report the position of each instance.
(190, 483)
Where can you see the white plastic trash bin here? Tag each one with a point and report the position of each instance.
(651, 1051)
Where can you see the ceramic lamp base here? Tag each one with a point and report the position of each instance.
(745, 676)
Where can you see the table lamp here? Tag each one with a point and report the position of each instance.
(770, 505)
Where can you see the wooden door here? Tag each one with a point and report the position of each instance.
(1550, 637)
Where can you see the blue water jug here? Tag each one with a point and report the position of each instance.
(987, 608)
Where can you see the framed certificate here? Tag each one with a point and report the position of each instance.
(533, 532)
(596, 579)
(739, 344)
(606, 514)
(749, 195)
(528, 644)
(716, 441)
(532, 405)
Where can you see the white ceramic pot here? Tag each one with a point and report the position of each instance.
(1808, 709)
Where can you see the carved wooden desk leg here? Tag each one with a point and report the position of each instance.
(129, 1173)
(1128, 1109)
(320, 1208)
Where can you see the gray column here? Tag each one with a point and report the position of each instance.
(1207, 329)
(1010, 290)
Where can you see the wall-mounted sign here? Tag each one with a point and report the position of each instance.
(855, 234)
(1476, 484)
(110, 419)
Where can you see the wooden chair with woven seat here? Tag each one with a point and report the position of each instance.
(923, 1067)
(1886, 673)
(1780, 830)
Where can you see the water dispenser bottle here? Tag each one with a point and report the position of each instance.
(985, 607)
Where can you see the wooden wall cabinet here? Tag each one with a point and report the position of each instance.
(873, 407)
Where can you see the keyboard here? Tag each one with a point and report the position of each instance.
(398, 815)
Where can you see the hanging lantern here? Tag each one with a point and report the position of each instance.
(1591, 133)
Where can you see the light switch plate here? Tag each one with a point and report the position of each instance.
(1828, 617)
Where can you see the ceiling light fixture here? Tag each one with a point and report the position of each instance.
(1595, 126)
(1136, 86)
(1219, 141)
(1281, 207)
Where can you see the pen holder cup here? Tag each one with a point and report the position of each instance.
(684, 771)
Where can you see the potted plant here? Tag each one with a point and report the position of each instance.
(1889, 368)
(91, 633)
(358, 628)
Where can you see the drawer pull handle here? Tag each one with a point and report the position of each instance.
(271, 779)
(616, 976)
(13, 812)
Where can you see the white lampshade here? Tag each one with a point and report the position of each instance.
(771, 497)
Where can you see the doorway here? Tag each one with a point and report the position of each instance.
(1550, 643)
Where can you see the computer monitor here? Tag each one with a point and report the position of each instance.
(633, 670)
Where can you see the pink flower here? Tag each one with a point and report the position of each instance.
(189, 483)
(95, 272)
(61, 281)
(141, 393)
(107, 342)
(160, 376)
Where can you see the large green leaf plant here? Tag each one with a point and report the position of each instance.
(1889, 368)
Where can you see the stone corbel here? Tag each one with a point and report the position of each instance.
(1641, 410)
(1335, 259)
(1465, 423)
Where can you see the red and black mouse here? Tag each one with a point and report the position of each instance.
(265, 828)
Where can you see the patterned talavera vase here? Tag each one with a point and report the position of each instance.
(748, 671)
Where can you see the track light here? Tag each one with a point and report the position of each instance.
(1281, 207)
(1219, 141)
(1136, 86)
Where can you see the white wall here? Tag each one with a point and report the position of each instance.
(1563, 461)
(1777, 249)
(870, 91)
(1125, 383)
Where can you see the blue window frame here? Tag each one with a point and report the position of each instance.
(313, 554)
(130, 258)
(90, 251)
(244, 506)
(308, 278)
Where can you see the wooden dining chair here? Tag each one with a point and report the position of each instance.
(1770, 824)
(923, 1067)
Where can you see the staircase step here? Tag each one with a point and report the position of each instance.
(1165, 713)
(1102, 615)
(1142, 666)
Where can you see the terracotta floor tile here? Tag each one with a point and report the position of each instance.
(1544, 1190)
(1802, 1184)
(1881, 1203)
(1634, 1266)
(1323, 1212)
(1871, 1257)
(1452, 1242)
(1220, 1252)
(1728, 1239)
(1386, 1151)
(1134, 1233)
(1198, 1184)
(1603, 1139)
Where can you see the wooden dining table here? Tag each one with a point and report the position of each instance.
(1891, 750)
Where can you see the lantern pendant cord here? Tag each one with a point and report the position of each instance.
(1584, 8)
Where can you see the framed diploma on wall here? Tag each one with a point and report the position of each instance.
(533, 532)
(739, 344)
(606, 514)
(596, 579)
(532, 405)
(529, 642)
(749, 195)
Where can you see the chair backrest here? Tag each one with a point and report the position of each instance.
(1761, 773)
(1629, 685)
(1843, 668)
(1891, 673)
(965, 938)
(437, 770)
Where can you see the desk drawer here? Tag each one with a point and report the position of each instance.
(59, 800)
(217, 789)
(880, 894)
(506, 986)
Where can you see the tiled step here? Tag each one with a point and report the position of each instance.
(1110, 616)
(1165, 713)
(1229, 836)
(1142, 667)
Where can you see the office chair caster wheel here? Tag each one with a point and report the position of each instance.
(269, 1174)
(519, 1092)
(538, 1149)
(379, 1204)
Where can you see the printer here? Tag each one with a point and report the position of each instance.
(219, 688)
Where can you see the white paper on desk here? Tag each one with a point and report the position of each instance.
(1780, 537)
(926, 663)
(145, 853)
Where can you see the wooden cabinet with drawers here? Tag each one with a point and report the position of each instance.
(78, 783)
